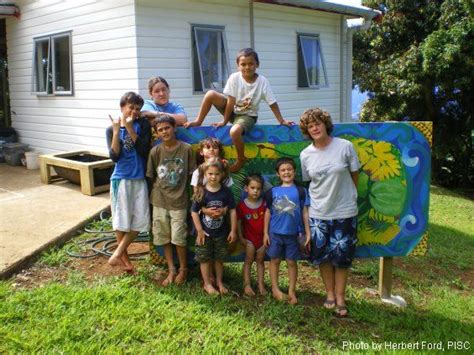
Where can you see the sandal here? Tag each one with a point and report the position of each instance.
(329, 304)
(341, 311)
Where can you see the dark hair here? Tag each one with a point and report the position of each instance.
(314, 115)
(155, 80)
(254, 177)
(131, 98)
(247, 52)
(284, 160)
(217, 163)
(212, 142)
(164, 119)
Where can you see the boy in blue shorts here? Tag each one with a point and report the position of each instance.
(287, 211)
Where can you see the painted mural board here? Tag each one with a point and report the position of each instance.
(393, 187)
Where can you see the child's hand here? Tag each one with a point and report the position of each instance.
(243, 241)
(287, 123)
(219, 124)
(307, 243)
(115, 124)
(266, 240)
(201, 238)
(232, 237)
(128, 123)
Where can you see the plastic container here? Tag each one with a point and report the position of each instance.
(32, 161)
(14, 152)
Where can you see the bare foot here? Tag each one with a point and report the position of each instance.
(114, 260)
(262, 291)
(169, 279)
(238, 164)
(292, 299)
(210, 289)
(192, 124)
(279, 296)
(222, 289)
(181, 278)
(248, 291)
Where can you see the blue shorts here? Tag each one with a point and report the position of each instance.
(333, 241)
(283, 247)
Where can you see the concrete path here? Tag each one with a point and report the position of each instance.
(35, 216)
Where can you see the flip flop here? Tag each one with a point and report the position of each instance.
(341, 312)
(329, 304)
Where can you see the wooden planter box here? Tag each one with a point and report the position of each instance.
(91, 170)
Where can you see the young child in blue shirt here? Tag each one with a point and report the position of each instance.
(128, 140)
(287, 211)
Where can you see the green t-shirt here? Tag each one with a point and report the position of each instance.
(170, 168)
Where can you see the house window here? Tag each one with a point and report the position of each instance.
(210, 59)
(53, 65)
(311, 67)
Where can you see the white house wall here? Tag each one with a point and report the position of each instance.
(104, 67)
(164, 48)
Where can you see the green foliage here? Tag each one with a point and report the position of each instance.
(417, 64)
(54, 257)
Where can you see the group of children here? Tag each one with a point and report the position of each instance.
(266, 223)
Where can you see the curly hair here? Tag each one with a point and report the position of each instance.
(209, 141)
(314, 115)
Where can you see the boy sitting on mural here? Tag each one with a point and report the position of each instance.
(169, 167)
(240, 102)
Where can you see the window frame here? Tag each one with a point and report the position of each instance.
(195, 53)
(51, 67)
(321, 68)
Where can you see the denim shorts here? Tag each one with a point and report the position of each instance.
(284, 247)
(333, 241)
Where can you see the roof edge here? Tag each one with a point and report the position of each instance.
(329, 6)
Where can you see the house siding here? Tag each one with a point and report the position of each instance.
(164, 48)
(118, 45)
(104, 65)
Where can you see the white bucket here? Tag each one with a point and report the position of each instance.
(32, 161)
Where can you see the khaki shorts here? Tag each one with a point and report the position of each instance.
(169, 226)
(246, 122)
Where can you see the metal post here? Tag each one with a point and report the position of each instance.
(385, 283)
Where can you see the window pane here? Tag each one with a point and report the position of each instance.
(41, 66)
(211, 56)
(311, 58)
(62, 64)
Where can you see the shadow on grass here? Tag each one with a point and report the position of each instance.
(467, 194)
(370, 320)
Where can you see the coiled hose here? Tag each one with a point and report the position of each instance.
(103, 241)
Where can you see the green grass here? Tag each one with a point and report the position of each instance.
(130, 314)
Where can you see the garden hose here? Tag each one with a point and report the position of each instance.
(103, 241)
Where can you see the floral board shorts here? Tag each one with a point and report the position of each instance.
(333, 241)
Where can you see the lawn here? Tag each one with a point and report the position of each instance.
(73, 306)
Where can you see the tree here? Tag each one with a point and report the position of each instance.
(417, 63)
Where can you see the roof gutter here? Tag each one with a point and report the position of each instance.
(329, 6)
(9, 10)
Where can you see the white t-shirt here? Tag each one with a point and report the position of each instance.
(332, 191)
(248, 95)
(195, 177)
